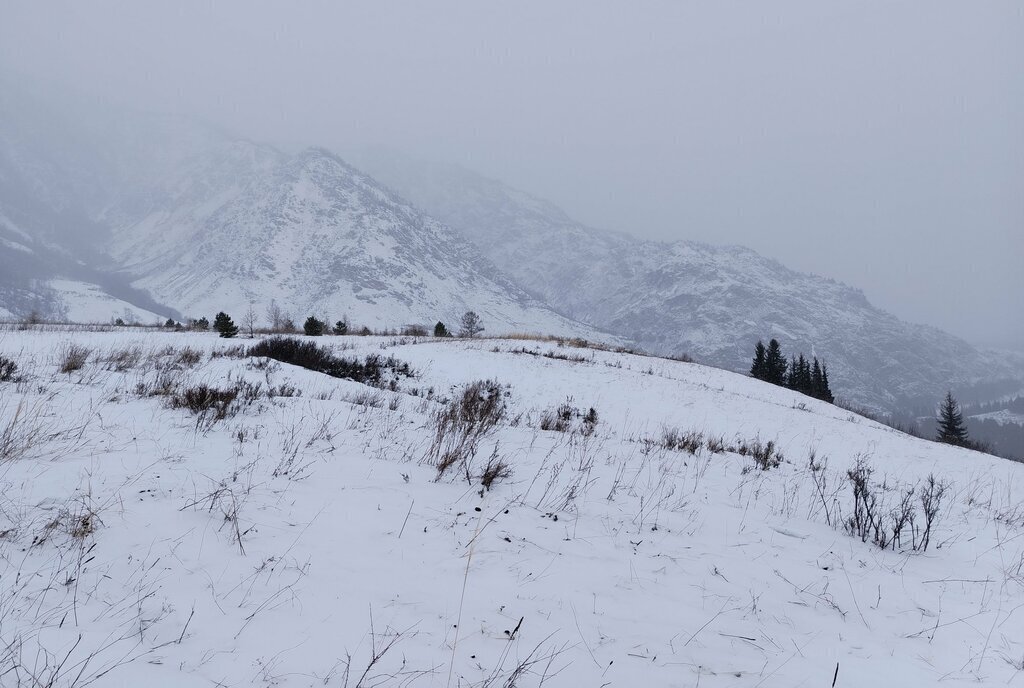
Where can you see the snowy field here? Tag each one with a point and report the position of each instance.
(298, 533)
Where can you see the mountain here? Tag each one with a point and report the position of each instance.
(712, 302)
(180, 217)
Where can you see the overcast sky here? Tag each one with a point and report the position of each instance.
(881, 143)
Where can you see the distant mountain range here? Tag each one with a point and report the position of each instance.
(147, 217)
(712, 302)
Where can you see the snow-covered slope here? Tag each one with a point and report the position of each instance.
(713, 302)
(305, 533)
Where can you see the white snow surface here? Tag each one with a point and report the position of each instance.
(139, 546)
(89, 303)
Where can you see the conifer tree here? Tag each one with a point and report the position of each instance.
(775, 364)
(223, 324)
(758, 369)
(825, 394)
(817, 380)
(341, 327)
(793, 378)
(313, 327)
(440, 330)
(951, 423)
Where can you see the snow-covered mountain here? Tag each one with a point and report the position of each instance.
(712, 302)
(203, 222)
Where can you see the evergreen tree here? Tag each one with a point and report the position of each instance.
(804, 377)
(440, 330)
(224, 325)
(759, 369)
(341, 327)
(951, 423)
(313, 327)
(825, 393)
(817, 380)
(775, 364)
(793, 378)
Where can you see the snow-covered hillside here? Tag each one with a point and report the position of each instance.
(712, 302)
(297, 533)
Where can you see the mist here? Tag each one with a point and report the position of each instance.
(878, 143)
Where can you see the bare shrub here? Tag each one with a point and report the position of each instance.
(188, 357)
(72, 357)
(886, 527)
(563, 419)
(558, 419)
(202, 399)
(210, 404)
(931, 499)
(123, 359)
(496, 469)
(765, 455)
(675, 439)
(460, 426)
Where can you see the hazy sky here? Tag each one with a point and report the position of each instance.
(881, 143)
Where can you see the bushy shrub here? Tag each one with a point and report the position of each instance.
(8, 369)
(311, 356)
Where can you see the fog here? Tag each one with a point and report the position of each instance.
(878, 143)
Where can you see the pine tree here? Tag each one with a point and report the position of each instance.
(775, 364)
(951, 423)
(341, 327)
(793, 378)
(758, 369)
(826, 390)
(440, 330)
(224, 325)
(817, 380)
(313, 327)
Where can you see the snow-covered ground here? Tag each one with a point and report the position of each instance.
(303, 540)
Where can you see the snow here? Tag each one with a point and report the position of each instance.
(88, 303)
(602, 560)
(1002, 416)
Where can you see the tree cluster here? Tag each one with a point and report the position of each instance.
(808, 377)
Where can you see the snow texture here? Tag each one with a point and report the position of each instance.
(289, 542)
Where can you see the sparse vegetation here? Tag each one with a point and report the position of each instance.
(73, 357)
(460, 426)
